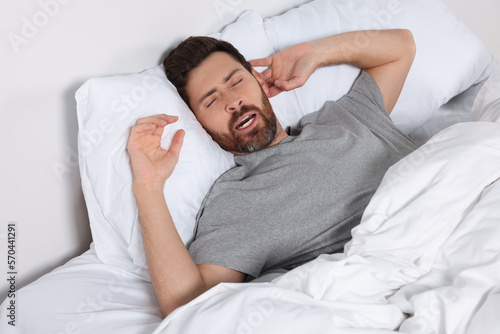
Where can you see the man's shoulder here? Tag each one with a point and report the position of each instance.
(330, 112)
(364, 94)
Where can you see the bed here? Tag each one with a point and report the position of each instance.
(424, 258)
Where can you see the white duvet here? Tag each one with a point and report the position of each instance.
(425, 259)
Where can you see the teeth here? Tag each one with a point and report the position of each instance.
(247, 123)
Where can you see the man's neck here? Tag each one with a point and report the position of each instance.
(280, 135)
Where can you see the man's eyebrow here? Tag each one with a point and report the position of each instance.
(226, 79)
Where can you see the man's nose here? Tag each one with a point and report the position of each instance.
(233, 102)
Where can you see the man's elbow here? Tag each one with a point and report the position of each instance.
(167, 309)
(188, 289)
(171, 306)
(169, 302)
(409, 42)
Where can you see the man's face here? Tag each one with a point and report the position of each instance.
(231, 104)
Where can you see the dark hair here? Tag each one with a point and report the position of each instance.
(192, 52)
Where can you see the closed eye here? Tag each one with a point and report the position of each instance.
(211, 102)
(237, 82)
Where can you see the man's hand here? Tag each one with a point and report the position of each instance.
(289, 68)
(151, 164)
(387, 55)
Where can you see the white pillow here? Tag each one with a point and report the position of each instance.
(486, 107)
(107, 108)
(449, 57)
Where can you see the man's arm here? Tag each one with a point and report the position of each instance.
(386, 54)
(175, 277)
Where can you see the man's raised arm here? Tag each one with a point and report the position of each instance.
(386, 54)
(175, 277)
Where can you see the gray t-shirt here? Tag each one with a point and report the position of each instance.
(285, 205)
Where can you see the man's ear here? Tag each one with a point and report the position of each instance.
(262, 82)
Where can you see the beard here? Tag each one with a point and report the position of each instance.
(258, 138)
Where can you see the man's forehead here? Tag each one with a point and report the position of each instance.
(216, 68)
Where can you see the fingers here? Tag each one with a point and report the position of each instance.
(175, 147)
(280, 86)
(289, 84)
(136, 133)
(158, 120)
(273, 91)
(150, 126)
(153, 125)
(262, 61)
(146, 129)
(141, 128)
(267, 74)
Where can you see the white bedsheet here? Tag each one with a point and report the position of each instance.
(425, 259)
(84, 296)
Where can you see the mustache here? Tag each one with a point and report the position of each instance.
(243, 110)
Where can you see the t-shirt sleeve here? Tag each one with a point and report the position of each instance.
(363, 102)
(366, 104)
(228, 243)
(364, 97)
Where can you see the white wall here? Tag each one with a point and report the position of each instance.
(45, 58)
(482, 17)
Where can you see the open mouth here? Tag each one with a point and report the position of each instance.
(245, 121)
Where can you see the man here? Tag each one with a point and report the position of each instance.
(292, 195)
